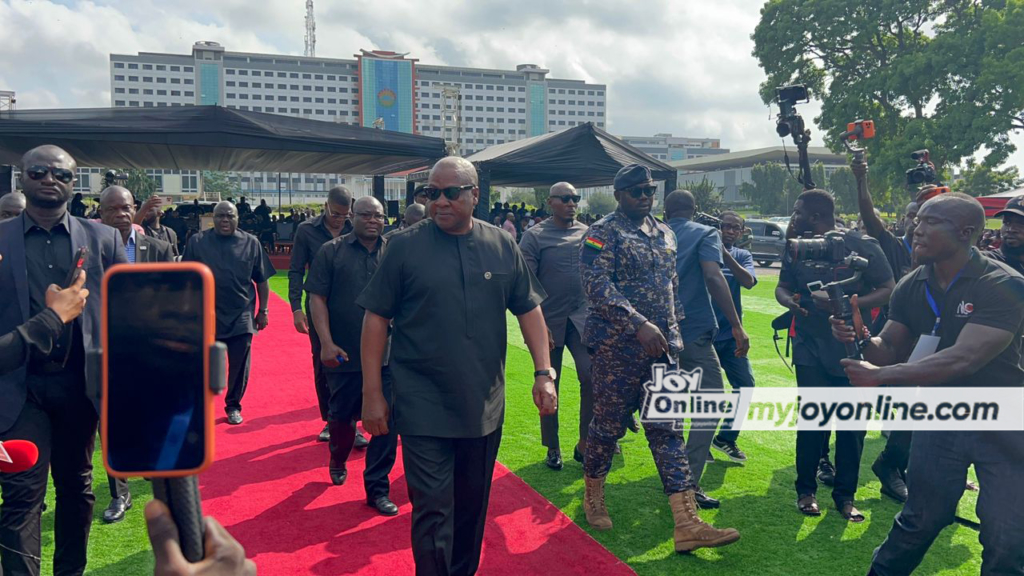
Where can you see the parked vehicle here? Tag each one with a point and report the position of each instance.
(768, 241)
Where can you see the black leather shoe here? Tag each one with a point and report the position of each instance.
(705, 502)
(235, 417)
(384, 505)
(325, 434)
(632, 423)
(361, 441)
(118, 506)
(577, 455)
(554, 459)
(826, 472)
(338, 477)
(893, 485)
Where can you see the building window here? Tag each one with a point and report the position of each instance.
(133, 66)
(118, 102)
(175, 68)
(230, 83)
(189, 94)
(133, 90)
(175, 80)
(147, 66)
(161, 92)
(118, 78)
(189, 81)
(118, 64)
(147, 92)
(118, 90)
(175, 93)
(161, 80)
(188, 69)
(229, 72)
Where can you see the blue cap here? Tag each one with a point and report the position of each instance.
(632, 175)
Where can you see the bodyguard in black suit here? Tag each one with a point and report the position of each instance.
(49, 401)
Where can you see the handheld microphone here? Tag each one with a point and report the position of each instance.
(17, 456)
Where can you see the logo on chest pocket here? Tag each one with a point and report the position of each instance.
(964, 309)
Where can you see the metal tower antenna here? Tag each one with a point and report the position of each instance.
(7, 100)
(310, 30)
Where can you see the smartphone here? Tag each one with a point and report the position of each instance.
(156, 407)
(78, 264)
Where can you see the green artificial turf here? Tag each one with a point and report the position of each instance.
(757, 498)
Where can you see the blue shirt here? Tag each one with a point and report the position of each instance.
(747, 261)
(695, 243)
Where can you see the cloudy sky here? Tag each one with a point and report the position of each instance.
(671, 66)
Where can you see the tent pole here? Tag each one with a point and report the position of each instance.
(378, 189)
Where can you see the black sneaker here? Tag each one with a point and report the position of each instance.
(826, 472)
(554, 459)
(730, 449)
(705, 502)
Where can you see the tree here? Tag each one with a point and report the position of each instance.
(601, 203)
(982, 180)
(522, 197)
(772, 189)
(843, 186)
(706, 195)
(939, 75)
(221, 184)
(141, 185)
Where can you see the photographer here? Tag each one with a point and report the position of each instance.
(891, 464)
(815, 355)
(971, 307)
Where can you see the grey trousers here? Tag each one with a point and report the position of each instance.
(580, 356)
(700, 353)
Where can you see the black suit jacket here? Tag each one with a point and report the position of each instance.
(149, 249)
(105, 250)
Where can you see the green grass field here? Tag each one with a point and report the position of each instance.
(757, 498)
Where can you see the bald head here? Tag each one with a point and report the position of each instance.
(414, 213)
(963, 210)
(45, 154)
(562, 189)
(368, 219)
(12, 205)
(367, 204)
(679, 204)
(115, 194)
(453, 168)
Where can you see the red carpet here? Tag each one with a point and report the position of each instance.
(269, 487)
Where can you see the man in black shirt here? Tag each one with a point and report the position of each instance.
(815, 355)
(237, 261)
(339, 273)
(49, 401)
(309, 237)
(446, 283)
(968, 309)
(1011, 252)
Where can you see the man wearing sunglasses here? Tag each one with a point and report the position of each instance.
(48, 402)
(446, 284)
(309, 237)
(552, 251)
(628, 267)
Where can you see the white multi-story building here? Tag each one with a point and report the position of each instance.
(669, 148)
(471, 108)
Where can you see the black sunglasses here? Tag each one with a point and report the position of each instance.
(639, 191)
(566, 198)
(451, 192)
(60, 174)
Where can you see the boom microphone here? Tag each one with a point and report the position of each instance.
(17, 456)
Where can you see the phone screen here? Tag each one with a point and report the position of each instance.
(155, 384)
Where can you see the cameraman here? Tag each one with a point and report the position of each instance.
(891, 464)
(816, 355)
(971, 307)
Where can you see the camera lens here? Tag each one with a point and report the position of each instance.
(782, 129)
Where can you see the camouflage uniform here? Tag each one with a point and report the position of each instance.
(630, 278)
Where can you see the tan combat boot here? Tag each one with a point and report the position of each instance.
(691, 532)
(593, 504)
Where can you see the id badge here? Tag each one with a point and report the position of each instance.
(926, 346)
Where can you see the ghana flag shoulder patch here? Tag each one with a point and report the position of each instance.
(593, 243)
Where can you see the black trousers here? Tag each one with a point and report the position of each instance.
(346, 405)
(897, 450)
(448, 531)
(849, 444)
(323, 393)
(239, 355)
(118, 487)
(580, 356)
(61, 421)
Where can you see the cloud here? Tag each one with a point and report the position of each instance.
(679, 67)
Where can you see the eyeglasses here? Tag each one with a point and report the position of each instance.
(60, 174)
(566, 198)
(451, 192)
(640, 191)
(735, 227)
(371, 216)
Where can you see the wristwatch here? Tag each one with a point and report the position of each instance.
(264, 311)
(549, 372)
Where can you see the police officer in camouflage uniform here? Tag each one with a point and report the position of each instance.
(627, 261)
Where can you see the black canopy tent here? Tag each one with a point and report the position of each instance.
(584, 155)
(214, 138)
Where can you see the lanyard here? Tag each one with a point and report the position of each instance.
(931, 299)
(907, 244)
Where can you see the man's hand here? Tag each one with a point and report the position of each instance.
(742, 341)
(375, 414)
(796, 308)
(224, 555)
(859, 169)
(68, 303)
(652, 340)
(262, 320)
(862, 374)
(845, 333)
(147, 206)
(544, 395)
(820, 299)
(551, 340)
(329, 353)
(301, 324)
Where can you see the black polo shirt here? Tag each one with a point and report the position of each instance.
(1000, 255)
(814, 344)
(340, 271)
(447, 296)
(236, 261)
(309, 237)
(987, 293)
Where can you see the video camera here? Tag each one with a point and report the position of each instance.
(790, 123)
(707, 220)
(924, 172)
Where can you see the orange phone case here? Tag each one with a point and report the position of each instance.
(209, 333)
